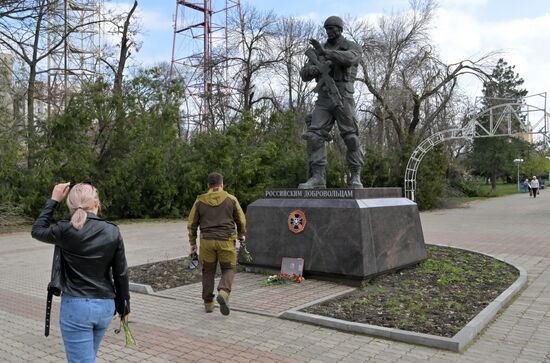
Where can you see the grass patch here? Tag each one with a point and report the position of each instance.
(483, 192)
(501, 190)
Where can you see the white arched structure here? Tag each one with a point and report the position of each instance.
(503, 120)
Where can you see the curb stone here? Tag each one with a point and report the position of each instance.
(147, 290)
(141, 288)
(457, 343)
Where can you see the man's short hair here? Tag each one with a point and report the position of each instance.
(215, 179)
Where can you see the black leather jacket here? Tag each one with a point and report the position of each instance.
(94, 262)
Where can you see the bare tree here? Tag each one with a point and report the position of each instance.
(121, 24)
(291, 43)
(20, 32)
(258, 31)
(410, 84)
(24, 29)
(127, 43)
(31, 31)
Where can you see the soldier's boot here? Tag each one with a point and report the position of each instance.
(317, 180)
(223, 300)
(356, 179)
(209, 306)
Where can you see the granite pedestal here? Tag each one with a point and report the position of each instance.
(347, 235)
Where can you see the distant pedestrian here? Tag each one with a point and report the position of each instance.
(534, 186)
(216, 213)
(527, 186)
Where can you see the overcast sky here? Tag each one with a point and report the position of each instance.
(462, 29)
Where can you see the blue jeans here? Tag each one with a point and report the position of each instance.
(83, 323)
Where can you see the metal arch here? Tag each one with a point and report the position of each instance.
(423, 148)
(501, 118)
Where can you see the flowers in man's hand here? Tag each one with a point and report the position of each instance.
(246, 254)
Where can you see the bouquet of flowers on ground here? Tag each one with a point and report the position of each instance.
(281, 278)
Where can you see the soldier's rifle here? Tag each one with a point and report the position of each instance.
(325, 79)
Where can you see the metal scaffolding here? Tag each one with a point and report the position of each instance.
(202, 31)
(77, 60)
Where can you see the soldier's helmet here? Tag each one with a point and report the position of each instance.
(334, 21)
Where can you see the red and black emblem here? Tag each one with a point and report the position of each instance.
(297, 221)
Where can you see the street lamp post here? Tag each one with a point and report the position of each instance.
(548, 157)
(518, 161)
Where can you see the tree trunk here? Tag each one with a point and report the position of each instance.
(124, 48)
(415, 116)
(30, 129)
(289, 85)
(248, 94)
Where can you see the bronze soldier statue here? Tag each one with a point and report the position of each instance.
(334, 66)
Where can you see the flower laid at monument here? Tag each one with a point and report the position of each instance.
(282, 278)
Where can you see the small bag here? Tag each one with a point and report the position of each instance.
(55, 285)
(194, 261)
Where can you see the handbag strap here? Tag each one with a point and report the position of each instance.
(48, 312)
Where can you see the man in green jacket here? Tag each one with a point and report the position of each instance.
(216, 213)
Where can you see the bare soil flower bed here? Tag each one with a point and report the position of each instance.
(165, 274)
(168, 274)
(438, 296)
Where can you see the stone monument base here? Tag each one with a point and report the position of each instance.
(344, 235)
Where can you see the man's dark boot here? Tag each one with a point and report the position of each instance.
(356, 179)
(317, 180)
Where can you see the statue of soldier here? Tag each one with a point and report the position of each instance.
(334, 66)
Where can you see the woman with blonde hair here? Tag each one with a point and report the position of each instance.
(94, 269)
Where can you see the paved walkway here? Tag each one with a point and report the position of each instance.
(175, 329)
